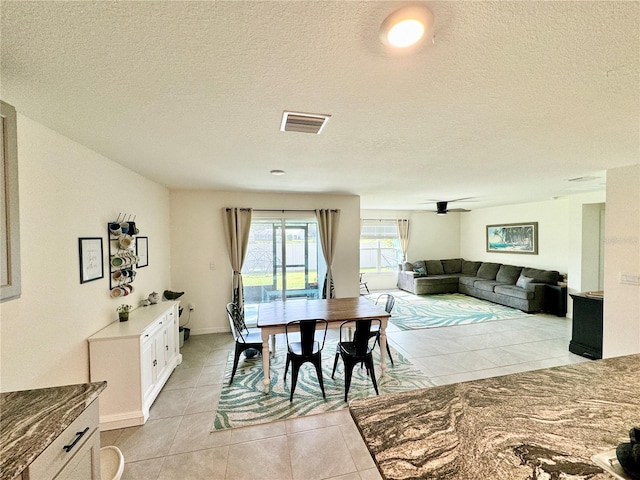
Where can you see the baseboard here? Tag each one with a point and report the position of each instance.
(123, 420)
(206, 331)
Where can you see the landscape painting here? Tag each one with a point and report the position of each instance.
(513, 238)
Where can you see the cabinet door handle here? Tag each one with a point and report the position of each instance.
(79, 435)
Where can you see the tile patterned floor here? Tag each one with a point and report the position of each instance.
(176, 442)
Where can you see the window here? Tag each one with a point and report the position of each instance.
(379, 246)
(284, 259)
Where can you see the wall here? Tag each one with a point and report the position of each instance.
(68, 191)
(622, 256)
(197, 241)
(431, 236)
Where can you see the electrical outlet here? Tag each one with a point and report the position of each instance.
(192, 307)
(630, 278)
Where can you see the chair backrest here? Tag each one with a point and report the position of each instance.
(362, 334)
(307, 330)
(236, 321)
(390, 302)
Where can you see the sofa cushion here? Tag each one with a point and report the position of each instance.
(542, 276)
(513, 291)
(434, 267)
(470, 268)
(453, 265)
(468, 281)
(523, 281)
(438, 280)
(508, 274)
(488, 270)
(486, 285)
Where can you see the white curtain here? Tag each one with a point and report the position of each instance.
(403, 234)
(328, 229)
(237, 224)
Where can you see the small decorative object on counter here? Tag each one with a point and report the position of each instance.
(169, 295)
(154, 298)
(123, 312)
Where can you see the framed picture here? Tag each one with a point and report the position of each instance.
(513, 238)
(142, 251)
(91, 265)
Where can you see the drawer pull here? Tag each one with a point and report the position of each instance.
(79, 435)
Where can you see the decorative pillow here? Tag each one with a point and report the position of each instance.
(488, 270)
(434, 267)
(453, 265)
(419, 271)
(523, 281)
(407, 267)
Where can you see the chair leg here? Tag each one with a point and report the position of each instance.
(348, 370)
(373, 374)
(318, 364)
(236, 358)
(335, 364)
(389, 353)
(286, 366)
(294, 378)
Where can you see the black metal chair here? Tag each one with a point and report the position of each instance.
(358, 350)
(307, 349)
(389, 303)
(245, 339)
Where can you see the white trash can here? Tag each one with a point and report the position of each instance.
(111, 463)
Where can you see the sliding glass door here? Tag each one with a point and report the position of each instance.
(283, 260)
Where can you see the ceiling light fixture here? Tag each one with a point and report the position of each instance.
(406, 26)
(277, 172)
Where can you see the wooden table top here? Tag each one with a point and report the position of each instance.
(333, 310)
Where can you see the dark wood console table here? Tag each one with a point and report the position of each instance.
(586, 338)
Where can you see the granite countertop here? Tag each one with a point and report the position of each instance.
(30, 420)
(544, 424)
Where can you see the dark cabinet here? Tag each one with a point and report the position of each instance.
(555, 300)
(586, 337)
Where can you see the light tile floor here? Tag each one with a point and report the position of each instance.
(176, 442)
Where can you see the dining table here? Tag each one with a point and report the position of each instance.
(274, 316)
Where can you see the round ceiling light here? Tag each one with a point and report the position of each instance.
(406, 26)
(277, 172)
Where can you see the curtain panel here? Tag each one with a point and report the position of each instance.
(403, 234)
(237, 224)
(328, 221)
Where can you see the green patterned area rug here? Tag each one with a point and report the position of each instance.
(244, 402)
(429, 311)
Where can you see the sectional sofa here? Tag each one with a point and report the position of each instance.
(514, 286)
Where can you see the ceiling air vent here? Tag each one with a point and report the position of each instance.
(587, 178)
(303, 122)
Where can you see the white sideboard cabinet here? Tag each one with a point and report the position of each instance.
(136, 359)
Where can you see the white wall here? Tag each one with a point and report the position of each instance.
(197, 240)
(622, 256)
(68, 191)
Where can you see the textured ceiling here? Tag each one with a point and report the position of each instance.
(507, 102)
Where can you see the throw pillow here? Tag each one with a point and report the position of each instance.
(419, 271)
(523, 281)
(407, 267)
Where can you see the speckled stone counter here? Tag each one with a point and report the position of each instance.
(544, 424)
(31, 419)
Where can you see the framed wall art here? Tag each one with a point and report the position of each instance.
(142, 251)
(513, 238)
(90, 252)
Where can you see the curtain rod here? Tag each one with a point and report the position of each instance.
(288, 210)
(382, 219)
